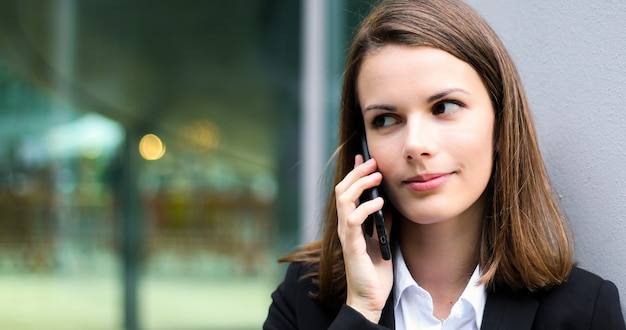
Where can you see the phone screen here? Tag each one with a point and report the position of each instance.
(375, 220)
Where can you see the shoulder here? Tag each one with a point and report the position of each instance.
(299, 286)
(293, 303)
(581, 285)
(296, 277)
(585, 299)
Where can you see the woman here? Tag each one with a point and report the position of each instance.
(478, 239)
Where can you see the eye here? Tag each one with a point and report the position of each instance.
(383, 121)
(446, 107)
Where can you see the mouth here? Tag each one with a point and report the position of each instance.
(427, 181)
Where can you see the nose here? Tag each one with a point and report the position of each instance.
(420, 138)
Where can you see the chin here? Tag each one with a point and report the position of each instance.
(425, 219)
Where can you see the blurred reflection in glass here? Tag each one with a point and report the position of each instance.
(151, 147)
(101, 229)
(57, 248)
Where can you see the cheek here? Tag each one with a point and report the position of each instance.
(474, 136)
(386, 156)
(476, 151)
(472, 145)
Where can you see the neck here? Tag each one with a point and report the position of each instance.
(441, 257)
(436, 252)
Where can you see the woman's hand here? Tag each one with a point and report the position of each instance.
(369, 277)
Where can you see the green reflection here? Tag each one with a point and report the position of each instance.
(93, 236)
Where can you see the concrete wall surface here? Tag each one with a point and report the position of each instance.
(572, 59)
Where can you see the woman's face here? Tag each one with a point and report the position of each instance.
(429, 123)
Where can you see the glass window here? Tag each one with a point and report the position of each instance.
(148, 161)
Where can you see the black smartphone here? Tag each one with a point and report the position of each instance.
(375, 220)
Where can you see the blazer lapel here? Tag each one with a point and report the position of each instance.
(506, 309)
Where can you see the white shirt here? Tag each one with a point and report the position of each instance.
(413, 306)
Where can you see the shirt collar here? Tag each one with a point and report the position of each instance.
(402, 277)
(474, 294)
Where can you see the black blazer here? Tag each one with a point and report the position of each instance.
(585, 301)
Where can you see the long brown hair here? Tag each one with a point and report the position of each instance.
(525, 241)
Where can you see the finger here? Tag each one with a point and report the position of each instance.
(358, 160)
(353, 192)
(349, 207)
(350, 232)
(361, 169)
(358, 216)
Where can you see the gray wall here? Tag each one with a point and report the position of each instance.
(572, 59)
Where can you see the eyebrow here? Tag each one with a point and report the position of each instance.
(442, 94)
(435, 97)
(380, 107)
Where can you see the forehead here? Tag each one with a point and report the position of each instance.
(390, 54)
(399, 70)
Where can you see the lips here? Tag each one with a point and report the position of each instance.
(427, 181)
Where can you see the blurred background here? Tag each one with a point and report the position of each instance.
(151, 156)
